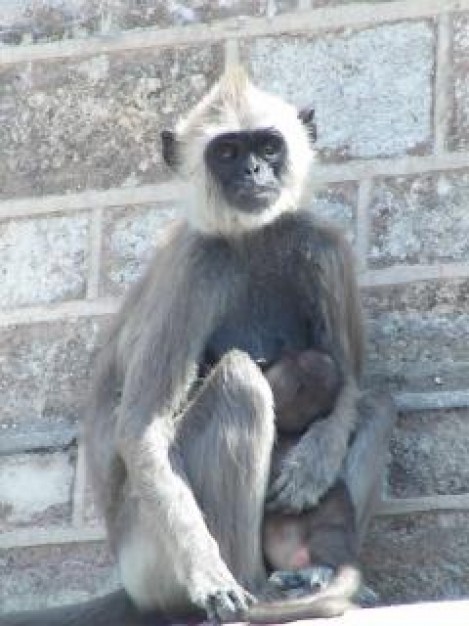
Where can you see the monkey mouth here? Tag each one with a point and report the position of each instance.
(253, 198)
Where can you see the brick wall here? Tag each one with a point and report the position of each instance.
(84, 92)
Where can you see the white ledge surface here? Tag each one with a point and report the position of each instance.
(448, 613)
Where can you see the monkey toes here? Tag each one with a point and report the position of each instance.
(226, 606)
(221, 597)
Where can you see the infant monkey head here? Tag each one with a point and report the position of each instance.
(247, 153)
(305, 386)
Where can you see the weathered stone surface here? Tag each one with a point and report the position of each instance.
(372, 90)
(418, 351)
(419, 557)
(420, 219)
(43, 259)
(94, 122)
(129, 238)
(36, 489)
(91, 513)
(52, 575)
(417, 335)
(45, 370)
(458, 138)
(36, 435)
(25, 21)
(429, 454)
(337, 204)
(439, 297)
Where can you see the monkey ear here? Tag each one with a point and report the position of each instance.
(307, 115)
(170, 148)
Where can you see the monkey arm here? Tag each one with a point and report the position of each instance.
(325, 277)
(314, 463)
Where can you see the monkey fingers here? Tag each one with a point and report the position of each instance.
(285, 495)
(316, 579)
(217, 593)
(227, 605)
(309, 469)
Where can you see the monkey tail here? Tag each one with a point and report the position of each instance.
(332, 601)
(114, 609)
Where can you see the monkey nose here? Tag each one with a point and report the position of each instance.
(252, 169)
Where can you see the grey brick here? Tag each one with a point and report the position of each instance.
(24, 21)
(45, 370)
(439, 297)
(372, 90)
(94, 122)
(417, 352)
(39, 577)
(130, 235)
(43, 260)
(419, 557)
(417, 335)
(208, 10)
(36, 435)
(429, 454)
(420, 219)
(91, 513)
(337, 204)
(36, 489)
(459, 125)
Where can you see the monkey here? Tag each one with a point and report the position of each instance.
(181, 463)
(304, 385)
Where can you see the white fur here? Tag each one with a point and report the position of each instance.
(235, 104)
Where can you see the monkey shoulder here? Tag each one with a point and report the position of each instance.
(186, 273)
(314, 241)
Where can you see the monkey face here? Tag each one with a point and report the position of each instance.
(247, 167)
(245, 152)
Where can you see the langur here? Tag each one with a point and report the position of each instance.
(304, 386)
(181, 425)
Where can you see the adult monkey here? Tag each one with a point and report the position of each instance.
(181, 466)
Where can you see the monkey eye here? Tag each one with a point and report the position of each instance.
(227, 151)
(271, 146)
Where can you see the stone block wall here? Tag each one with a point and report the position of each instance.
(85, 88)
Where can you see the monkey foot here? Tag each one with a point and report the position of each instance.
(302, 581)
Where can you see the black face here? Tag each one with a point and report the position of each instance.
(248, 166)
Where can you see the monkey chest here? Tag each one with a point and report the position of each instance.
(264, 322)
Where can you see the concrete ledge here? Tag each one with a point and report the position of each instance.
(455, 613)
(37, 436)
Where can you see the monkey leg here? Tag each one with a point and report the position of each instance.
(221, 451)
(365, 463)
(225, 440)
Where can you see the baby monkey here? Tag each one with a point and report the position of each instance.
(305, 385)
(304, 549)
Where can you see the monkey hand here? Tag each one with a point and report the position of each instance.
(309, 469)
(220, 596)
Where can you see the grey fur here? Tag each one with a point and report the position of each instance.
(181, 465)
(206, 489)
